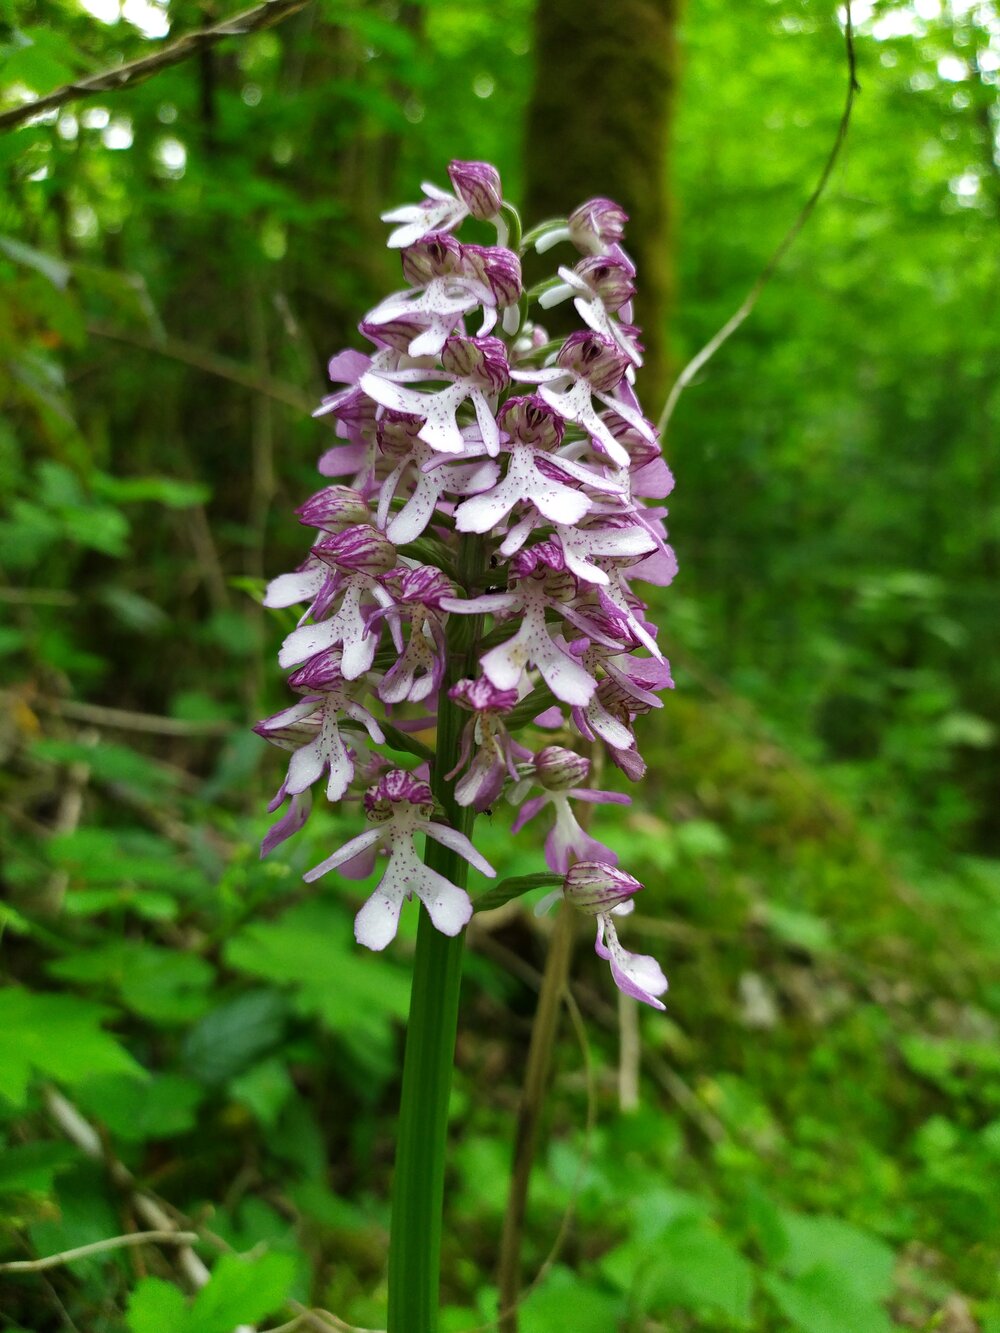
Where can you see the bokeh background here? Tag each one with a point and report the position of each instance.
(810, 1138)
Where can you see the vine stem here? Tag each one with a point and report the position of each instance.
(418, 1182)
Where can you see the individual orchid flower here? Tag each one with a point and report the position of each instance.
(477, 194)
(600, 287)
(478, 371)
(542, 584)
(417, 674)
(311, 728)
(449, 281)
(560, 773)
(532, 475)
(432, 476)
(589, 366)
(400, 808)
(358, 555)
(496, 753)
(602, 890)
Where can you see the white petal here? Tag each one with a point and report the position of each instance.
(449, 907)
(376, 924)
(458, 842)
(350, 849)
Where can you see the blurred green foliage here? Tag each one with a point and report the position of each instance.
(818, 1142)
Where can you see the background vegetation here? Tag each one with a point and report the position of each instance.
(817, 1142)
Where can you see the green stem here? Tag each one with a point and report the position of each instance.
(418, 1183)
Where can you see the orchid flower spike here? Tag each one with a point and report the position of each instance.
(473, 567)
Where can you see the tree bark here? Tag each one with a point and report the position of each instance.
(599, 124)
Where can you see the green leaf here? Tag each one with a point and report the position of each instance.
(58, 1036)
(30, 1168)
(311, 949)
(167, 491)
(235, 1035)
(825, 1300)
(157, 1307)
(593, 1310)
(135, 1112)
(693, 1267)
(242, 1291)
(514, 887)
(264, 1089)
(864, 1262)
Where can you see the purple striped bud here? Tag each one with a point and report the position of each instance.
(477, 184)
(596, 225)
(595, 888)
(640, 450)
(362, 550)
(435, 256)
(541, 559)
(530, 420)
(321, 672)
(424, 586)
(394, 788)
(610, 279)
(558, 769)
(481, 359)
(394, 333)
(334, 508)
(482, 696)
(594, 358)
(497, 268)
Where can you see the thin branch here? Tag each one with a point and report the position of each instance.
(98, 1247)
(135, 71)
(733, 323)
(211, 363)
(124, 719)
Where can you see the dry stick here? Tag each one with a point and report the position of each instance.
(98, 1247)
(211, 363)
(135, 71)
(529, 1113)
(732, 324)
(123, 719)
(629, 1052)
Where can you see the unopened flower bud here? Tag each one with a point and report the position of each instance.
(477, 184)
(334, 508)
(397, 433)
(530, 420)
(597, 225)
(434, 257)
(610, 279)
(363, 550)
(558, 769)
(593, 887)
(594, 358)
(481, 359)
(497, 268)
(481, 695)
(392, 789)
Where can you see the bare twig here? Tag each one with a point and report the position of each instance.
(99, 1247)
(201, 358)
(733, 323)
(123, 719)
(629, 1052)
(536, 1079)
(135, 71)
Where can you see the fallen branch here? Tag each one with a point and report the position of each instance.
(135, 71)
(98, 1247)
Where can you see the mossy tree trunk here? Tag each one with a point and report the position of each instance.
(599, 124)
